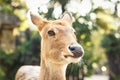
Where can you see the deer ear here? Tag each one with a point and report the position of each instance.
(67, 17)
(37, 21)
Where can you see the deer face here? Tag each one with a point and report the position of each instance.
(59, 43)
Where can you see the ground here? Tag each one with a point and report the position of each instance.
(97, 77)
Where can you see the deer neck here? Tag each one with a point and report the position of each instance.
(50, 71)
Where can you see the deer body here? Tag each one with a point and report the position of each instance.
(58, 48)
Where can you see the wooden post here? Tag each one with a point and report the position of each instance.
(7, 24)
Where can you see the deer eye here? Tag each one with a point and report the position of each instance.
(51, 33)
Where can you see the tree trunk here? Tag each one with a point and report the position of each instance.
(114, 65)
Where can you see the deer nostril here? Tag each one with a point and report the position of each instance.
(71, 48)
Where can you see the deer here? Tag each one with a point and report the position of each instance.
(59, 47)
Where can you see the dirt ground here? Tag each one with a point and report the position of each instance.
(97, 77)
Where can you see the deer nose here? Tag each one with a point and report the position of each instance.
(77, 50)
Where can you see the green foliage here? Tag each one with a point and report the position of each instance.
(9, 6)
(6, 9)
(111, 42)
(80, 30)
(25, 54)
(7, 62)
(5, 6)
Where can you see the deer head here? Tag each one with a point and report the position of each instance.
(59, 44)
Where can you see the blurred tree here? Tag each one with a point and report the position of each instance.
(111, 42)
(10, 61)
(111, 39)
(26, 53)
(112, 45)
(8, 6)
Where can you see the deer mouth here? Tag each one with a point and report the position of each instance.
(74, 56)
(66, 56)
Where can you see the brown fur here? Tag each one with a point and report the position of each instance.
(55, 55)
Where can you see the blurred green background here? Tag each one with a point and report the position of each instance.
(97, 25)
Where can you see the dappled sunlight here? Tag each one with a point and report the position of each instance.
(108, 20)
(33, 5)
(82, 8)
